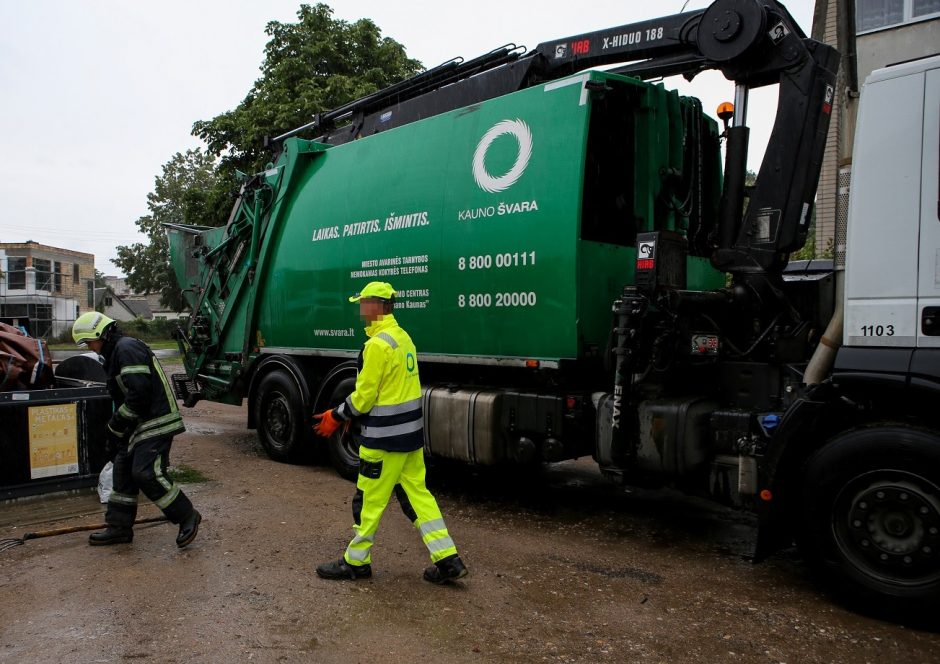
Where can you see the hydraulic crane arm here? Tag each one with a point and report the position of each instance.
(752, 42)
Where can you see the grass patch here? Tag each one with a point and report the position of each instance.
(183, 474)
(64, 346)
(166, 344)
(169, 344)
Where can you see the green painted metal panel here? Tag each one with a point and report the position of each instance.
(474, 216)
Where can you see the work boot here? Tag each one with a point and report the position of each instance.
(111, 535)
(340, 569)
(447, 569)
(188, 529)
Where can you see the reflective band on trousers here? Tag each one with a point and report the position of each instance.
(394, 430)
(359, 539)
(122, 498)
(432, 526)
(171, 495)
(396, 409)
(164, 482)
(357, 554)
(440, 544)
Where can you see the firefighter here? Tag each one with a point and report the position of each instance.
(139, 434)
(387, 405)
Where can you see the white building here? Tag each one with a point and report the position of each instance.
(42, 287)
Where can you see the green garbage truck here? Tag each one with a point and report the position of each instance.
(584, 275)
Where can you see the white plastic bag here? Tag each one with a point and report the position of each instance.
(106, 482)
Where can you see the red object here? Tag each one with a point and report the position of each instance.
(645, 264)
(326, 424)
(25, 362)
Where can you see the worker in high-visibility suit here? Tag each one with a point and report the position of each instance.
(139, 434)
(387, 405)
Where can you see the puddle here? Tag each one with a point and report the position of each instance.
(201, 429)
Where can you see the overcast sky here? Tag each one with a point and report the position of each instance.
(96, 95)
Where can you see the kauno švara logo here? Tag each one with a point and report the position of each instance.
(485, 180)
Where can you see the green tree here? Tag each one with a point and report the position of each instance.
(311, 66)
(188, 191)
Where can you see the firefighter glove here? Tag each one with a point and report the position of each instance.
(326, 424)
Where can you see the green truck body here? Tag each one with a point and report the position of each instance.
(476, 217)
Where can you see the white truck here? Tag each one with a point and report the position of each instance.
(871, 494)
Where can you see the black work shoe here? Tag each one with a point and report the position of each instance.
(340, 569)
(111, 535)
(188, 529)
(450, 568)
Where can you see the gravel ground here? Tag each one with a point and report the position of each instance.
(565, 567)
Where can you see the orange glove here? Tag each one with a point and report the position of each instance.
(326, 424)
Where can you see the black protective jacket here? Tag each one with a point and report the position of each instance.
(144, 404)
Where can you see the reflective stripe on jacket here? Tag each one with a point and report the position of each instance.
(387, 399)
(145, 406)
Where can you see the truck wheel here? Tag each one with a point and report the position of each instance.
(871, 518)
(344, 444)
(279, 414)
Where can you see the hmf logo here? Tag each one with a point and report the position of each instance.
(580, 47)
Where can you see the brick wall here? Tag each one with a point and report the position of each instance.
(68, 259)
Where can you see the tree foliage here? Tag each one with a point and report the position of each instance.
(311, 66)
(188, 191)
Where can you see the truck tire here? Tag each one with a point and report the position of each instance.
(344, 444)
(282, 424)
(871, 518)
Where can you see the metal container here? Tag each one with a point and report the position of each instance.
(52, 440)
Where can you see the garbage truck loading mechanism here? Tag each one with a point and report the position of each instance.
(580, 278)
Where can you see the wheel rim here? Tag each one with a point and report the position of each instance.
(278, 422)
(346, 439)
(887, 524)
(349, 444)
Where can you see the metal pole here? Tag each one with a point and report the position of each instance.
(740, 105)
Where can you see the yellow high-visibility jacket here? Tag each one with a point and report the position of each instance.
(387, 398)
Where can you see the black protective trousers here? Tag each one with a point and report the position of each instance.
(143, 468)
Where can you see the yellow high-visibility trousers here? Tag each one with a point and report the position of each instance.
(380, 474)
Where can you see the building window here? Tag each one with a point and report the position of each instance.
(16, 273)
(57, 276)
(74, 274)
(877, 14)
(41, 318)
(924, 8)
(43, 273)
(90, 293)
(14, 311)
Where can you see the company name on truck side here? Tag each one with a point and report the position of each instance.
(500, 210)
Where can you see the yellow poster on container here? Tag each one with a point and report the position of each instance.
(53, 440)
